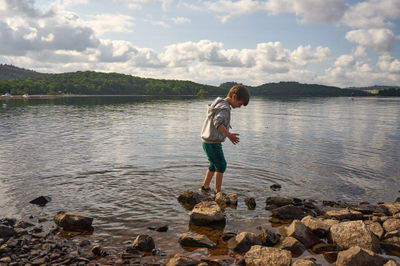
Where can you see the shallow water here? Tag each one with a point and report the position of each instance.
(124, 160)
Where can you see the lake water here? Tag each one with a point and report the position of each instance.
(125, 160)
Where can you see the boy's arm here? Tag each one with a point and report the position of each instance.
(233, 137)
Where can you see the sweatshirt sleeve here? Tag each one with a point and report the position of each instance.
(220, 118)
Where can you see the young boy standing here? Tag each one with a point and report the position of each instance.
(216, 129)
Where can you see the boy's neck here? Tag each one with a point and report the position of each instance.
(229, 100)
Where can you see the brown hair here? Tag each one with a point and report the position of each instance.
(241, 92)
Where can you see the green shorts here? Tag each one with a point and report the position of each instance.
(215, 156)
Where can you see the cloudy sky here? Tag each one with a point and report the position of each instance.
(332, 42)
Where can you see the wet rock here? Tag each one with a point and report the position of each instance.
(318, 226)
(192, 198)
(275, 187)
(228, 235)
(302, 233)
(244, 241)
(275, 202)
(269, 238)
(192, 239)
(84, 243)
(159, 228)
(376, 229)
(391, 208)
(359, 256)
(293, 245)
(391, 263)
(144, 243)
(70, 221)
(24, 224)
(224, 200)
(291, 212)
(6, 231)
(207, 213)
(368, 209)
(330, 256)
(181, 260)
(354, 233)
(305, 262)
(391, 225)
(223, 260)
(323, 247)
(344, 214)
(250, 203)
(41, 201)
(266, 256)
(391, 241)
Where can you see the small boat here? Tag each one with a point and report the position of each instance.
(6, 95)
(26, 95)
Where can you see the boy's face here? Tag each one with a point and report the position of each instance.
(235, 102)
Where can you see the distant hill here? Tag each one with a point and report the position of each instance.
(296, 89)
(98, 83)
(12, 72)
(375, 87)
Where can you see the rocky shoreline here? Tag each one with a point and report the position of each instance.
(343, 233)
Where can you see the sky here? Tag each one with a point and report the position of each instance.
(331, 42)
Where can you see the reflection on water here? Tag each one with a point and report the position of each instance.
(124, 160)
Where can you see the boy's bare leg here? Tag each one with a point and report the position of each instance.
(208, 178)
(218, 181)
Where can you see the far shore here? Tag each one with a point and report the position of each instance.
(49, 96)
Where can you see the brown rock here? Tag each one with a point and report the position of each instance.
(267, 256)
(181, 260)
(304, 262)
(302, 233)
(344, 214)
(391, 225)
(354, 233)
(144, 243)
(205, 213)
(244, 241)
(192, 239)
(376, 229)
(359, 256)
(391, 208)
(70, 221)
(318, 226)
(293, 245)
(291, 212)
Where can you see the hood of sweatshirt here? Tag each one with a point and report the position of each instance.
(217, 104)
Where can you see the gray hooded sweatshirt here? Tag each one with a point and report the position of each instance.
(219, 112)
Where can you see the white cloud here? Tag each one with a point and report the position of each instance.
(181, 20)
(345, 61)
(137, 4)
(389, 64)
(378, 39)
(360, 51)
(103, 23)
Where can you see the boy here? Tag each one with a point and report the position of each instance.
(216, 129)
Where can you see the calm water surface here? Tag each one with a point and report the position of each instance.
(124, 160)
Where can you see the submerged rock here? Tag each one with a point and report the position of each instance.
(41, 201)
(70, 221)
(250, 203)
(275, 187)
(192, 239)
(144, 243)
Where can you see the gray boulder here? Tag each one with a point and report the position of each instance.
(267, 256)
(354, 233)
(70, 221)
(244, 241)
(359, 256)
(192, 239)
(206, 213)
(144, 243)
(302, 233)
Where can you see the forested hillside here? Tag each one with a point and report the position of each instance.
(12, 72)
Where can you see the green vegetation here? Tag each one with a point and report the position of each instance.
(13, 72)
(96, 83)
(18, 81)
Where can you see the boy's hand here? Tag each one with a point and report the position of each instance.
(234, 138)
